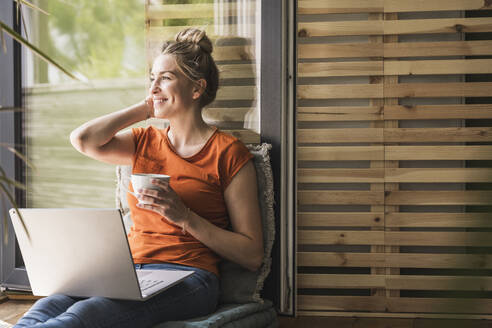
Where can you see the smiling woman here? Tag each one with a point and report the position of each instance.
(208, 210)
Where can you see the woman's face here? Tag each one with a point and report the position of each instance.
(170, 89)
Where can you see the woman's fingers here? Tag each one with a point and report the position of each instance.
(164, 184)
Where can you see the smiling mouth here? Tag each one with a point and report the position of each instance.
(159, 101)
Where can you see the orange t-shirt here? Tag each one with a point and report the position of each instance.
(200, 181)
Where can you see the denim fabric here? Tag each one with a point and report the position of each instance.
(195, 296)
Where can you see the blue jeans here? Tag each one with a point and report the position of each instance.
(195, 296)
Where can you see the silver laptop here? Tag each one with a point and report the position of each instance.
(84, 252)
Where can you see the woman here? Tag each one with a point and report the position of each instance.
(185, 226)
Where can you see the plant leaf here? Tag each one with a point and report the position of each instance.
(12, 183)
(18, 154)
(33, 6)
(12, 200)
(4, 45)
(34, 49)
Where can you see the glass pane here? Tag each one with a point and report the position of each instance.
(103, 41)
(234, 28)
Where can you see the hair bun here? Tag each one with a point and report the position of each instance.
(195, 36)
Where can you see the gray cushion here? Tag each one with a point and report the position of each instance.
(238, 285)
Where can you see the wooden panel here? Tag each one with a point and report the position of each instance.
(437, 175)
(321, 197)
(340, 175)
(344, 50)
(319, 237)
(355, 153)
(237, 71)
(443, 25)
(334, 219)
(339, 135)
(406, 282)
(395, 260)
(340, 91)
(438, 153)
(410, 26)
(195, 10)
(387, 6)
(394, 304)
(445, 220)
(339, 303)
(337, 113)
(247, 92)
(426, 90)
(356, 68)
(438, 112)
(438, 283)
(441, 305)
(340, 28)
(438, 134)
(429, 238)
(227, 114)
(162, 33)
(421, 67)
(338, 6)
(340, 281)
(427, 49)
(439, 198)
(246, 136)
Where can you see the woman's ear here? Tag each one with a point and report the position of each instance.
(199, 88)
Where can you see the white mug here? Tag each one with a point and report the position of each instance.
(144, 181)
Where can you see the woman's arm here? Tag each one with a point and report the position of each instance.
(99, 139)
(243, 245)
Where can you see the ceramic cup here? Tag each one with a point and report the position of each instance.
(144, 181)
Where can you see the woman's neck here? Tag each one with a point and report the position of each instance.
(188, 133)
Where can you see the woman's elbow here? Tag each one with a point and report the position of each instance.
(256, 262)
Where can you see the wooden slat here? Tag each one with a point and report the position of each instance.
(426, 90)
(339, 6)
(387, 6)
(168, 32)
(246, 136)
(438, 153)
(319, 237)
(246, 92)
(431, 238)
(364, 27)
(406, 282)
(438, 112)
(340, 175)
(321, 197)
(438, 134)
(237, 71)
(437, 220)
(341, 303)
(395, 260)
(394, 304)
(390, 27)
(432, 319)
(422, 67)
(393, 6)
(355, 153)
(445, 48)
(437, 175)
(340, 113)
(356, 68)
(196, 10)
(440, 305)
(342, 219)
(340, 281)
(340, 91)
(342, 50)
(439, 197)
(225, 114)
(437, 283)
(223, 53)
(339, 135)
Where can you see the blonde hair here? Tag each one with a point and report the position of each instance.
(192, 50)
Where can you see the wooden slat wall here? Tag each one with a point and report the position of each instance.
(394, 150)
(235, 108)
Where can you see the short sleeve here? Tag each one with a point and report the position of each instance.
(138, 134)
(232, 160)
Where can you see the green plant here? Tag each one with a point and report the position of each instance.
(5, 182)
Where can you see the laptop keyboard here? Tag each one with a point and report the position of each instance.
(148, 283)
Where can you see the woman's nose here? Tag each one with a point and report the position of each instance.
(154, 86)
